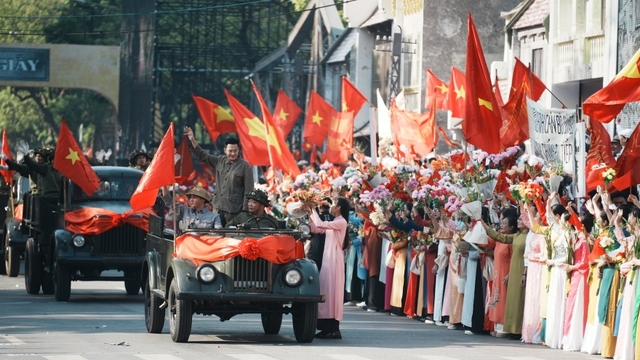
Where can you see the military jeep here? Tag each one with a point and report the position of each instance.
(82, 237)
(227, 272)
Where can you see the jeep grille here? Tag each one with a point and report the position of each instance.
(125, 240)
(251, 276)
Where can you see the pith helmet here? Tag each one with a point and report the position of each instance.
(259, 196)
(200, 192)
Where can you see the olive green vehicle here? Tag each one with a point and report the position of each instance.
(230, 287)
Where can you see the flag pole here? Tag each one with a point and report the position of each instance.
(374, 139)
(545, 87)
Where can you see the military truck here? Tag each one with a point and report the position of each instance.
(84, 236)
(227, 272)
(14, 239)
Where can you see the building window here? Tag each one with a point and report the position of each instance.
(536, 62)
(407, 70)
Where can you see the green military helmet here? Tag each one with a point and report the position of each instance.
(200, 192)
(46, 152)
(259, 196)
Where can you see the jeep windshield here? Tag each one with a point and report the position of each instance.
(119, 188)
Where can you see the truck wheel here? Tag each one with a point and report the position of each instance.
(48, 287)
(4, 270)
(11, 259)
(271, 323)
(305, 319)
(32, 268)
(133, 284)
(180, 316)
(153, 315)
(62, 282)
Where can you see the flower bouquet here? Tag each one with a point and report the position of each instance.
(477, 234)
(305, 181)
(404, 172)
(377, 216)
(608, 176)
(380, 195)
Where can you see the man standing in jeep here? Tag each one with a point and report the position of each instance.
(234, 178)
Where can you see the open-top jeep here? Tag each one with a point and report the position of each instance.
(86, 235)
(226, 272)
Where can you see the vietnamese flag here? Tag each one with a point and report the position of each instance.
(607, 102)
(7, 174)
(515, 121)
(436, 89)
(71, 162)
(600, 150)
(286, 113)
(428, 128)
(405, 127)
(628, 167)
(214, 117)
(184, 164)
(352, 98)
(279, 153)
(318, 121)
(251, 132)
(159, 173)
(482, 121)
(457, 93)
(340, 139)
(523, 76)
(446, 139)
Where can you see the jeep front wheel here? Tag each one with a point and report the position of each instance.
(305, 320)
(153, 314)
(11, 259)
(32, 268)
(271, 323)
(62, 282)
(180, 316)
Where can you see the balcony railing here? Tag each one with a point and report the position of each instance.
(565, 53)
(593, 48)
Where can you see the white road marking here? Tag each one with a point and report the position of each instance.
(157, 357)
(251, 357)
(437, 357)
(346, 357)
(64, 357)
(522, 358)
(12, 340)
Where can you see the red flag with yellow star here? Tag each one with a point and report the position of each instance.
(628, 164)
(71, 162)
(456, 93)
(482, 121)
(607, 102)
(161, 172)
(340, 142)
(214, 117)
(437, 89)
(405, 127)
(279, 154)
(285, 114)
(352, 98)
(7, 174)
(252, 133)
(523, 76)
(318, 121)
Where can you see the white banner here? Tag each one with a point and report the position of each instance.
(552, 135)
(580, 177)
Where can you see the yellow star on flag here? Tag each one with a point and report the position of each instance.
(257, 129)
(443, 88)
(460, 93)
(345, 108)
(485, 103)
(222, 114)
(73, 156)
(317, 118)
(283, 115)
(631, 69)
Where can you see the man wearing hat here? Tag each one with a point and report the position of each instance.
(257, 201)
(45, 180)
(196, 215)
(139, 159)
(616, 147)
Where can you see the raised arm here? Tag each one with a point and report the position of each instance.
(317, 224)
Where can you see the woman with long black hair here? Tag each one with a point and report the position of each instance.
(333, 271)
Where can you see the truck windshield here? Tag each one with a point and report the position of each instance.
(120, 188)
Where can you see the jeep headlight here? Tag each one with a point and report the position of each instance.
(305, 229)
(293, 277)
(206, 273)
(78, 241)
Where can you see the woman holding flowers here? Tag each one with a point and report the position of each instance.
(514, 306)
(332, 276)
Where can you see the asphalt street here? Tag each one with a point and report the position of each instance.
(101, 322)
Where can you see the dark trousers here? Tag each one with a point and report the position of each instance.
(330, 325)
(375, 293)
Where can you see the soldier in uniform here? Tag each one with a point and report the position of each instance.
(257, 201)
(45, 180)
(139, 159)
(196, 215)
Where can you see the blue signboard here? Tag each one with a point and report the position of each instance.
(24, 64)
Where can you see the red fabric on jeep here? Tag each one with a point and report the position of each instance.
(278, 249)
(94, 221)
